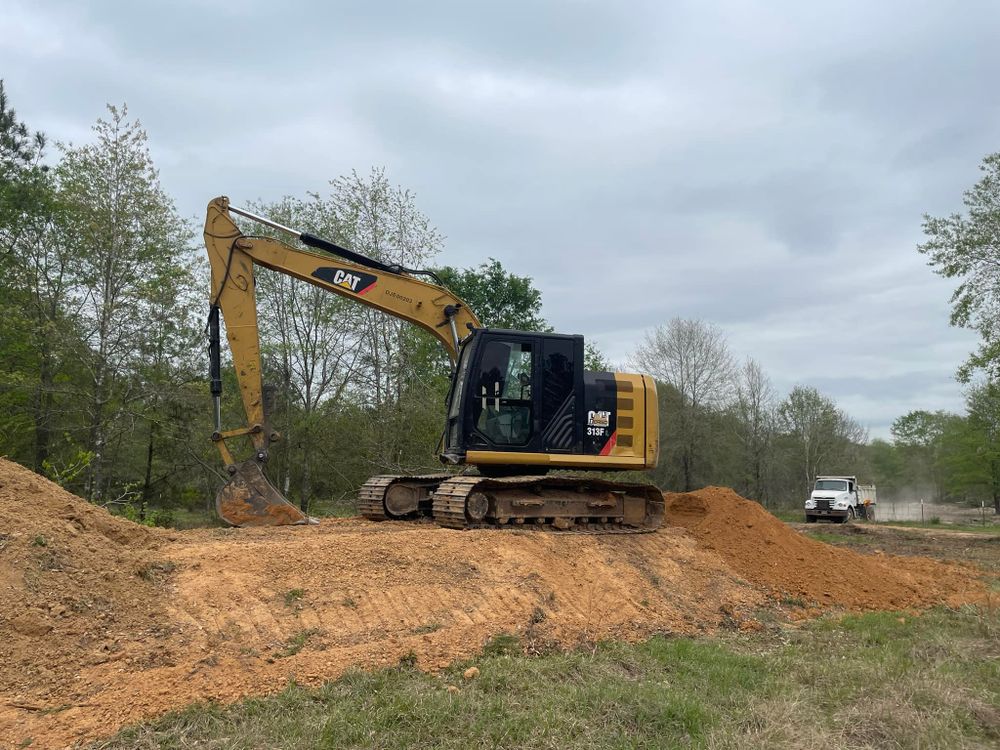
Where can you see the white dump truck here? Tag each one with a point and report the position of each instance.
(840, 498)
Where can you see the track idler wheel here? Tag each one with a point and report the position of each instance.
(477, 505)
(248, 499)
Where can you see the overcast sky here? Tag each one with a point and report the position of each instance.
(763, 166)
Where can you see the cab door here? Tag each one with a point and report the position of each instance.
(502, 394)
(559, 406)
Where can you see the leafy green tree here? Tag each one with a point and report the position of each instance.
(372, 216)
(966, 246)
(129, 244)
(919, 429)
(498, 298)
(887, 465)
(331, 357)
(171, 360)
(970, 450)
(918, 436)
(312, 343)
(35, 323)
(505, 300)
(983, 403)
(594, 359)
(24, 181)
(40, 282)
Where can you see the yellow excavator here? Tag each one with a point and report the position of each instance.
(520, 402)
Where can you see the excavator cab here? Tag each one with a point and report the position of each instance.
(522, 402)
(515, 392)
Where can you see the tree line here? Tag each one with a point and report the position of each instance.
(103, 296)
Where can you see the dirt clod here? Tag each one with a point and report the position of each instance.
(471, 673)
(30, 623)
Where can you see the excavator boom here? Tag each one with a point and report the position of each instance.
(248, 498)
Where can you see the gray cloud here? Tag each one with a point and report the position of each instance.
(764, 166)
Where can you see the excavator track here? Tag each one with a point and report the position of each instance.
(566, 504)
(396, 496)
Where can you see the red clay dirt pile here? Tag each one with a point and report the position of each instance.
(104, 623)
(765, 551)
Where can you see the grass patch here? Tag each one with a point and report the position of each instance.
(874, 680)
(293, 597)
(828, 538)
(297, 642)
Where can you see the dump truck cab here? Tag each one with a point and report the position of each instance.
(840, 499)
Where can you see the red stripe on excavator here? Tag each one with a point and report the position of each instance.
(610, 444)
(367, 288)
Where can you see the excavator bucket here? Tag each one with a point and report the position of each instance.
(248, 499)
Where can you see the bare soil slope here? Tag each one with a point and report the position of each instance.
(103, 623)
(765, 551)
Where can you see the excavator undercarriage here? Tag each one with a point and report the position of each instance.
(563, 503)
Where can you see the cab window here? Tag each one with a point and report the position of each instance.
(503, 406)
(831, 485)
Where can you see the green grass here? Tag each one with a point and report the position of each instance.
(821, 536)
(876, 680)
(296, 643)
(184, 518)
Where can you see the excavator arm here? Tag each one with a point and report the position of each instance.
(248, 498)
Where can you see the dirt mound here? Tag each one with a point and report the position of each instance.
(104, 623)
(763, 550)
(72, 591)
